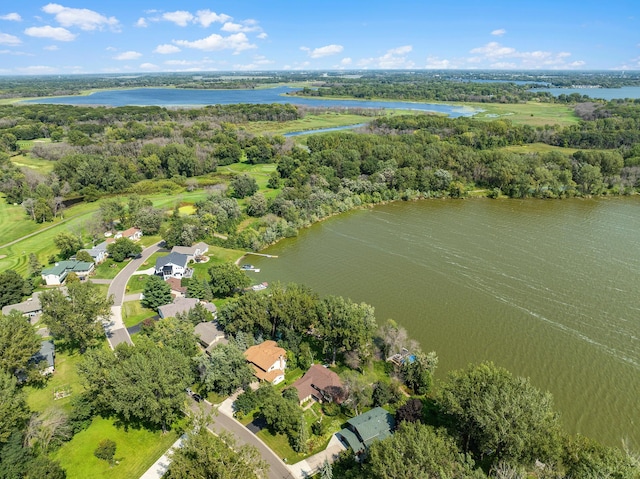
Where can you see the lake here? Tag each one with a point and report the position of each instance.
(547, 289)
(174, 97)
(604, 93)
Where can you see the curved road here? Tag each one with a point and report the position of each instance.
(115, 329)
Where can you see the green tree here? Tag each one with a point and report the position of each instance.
(67, 243)
(224, 369)
(13, 288)
(226, 279)
(14, 411)
(35, 268)
(257, 205)
(18, 342)
(417, 373)
(77, 318)
(175, 334)
(123, 248)
(148, 219)
(207, 456)
(156, 293)
(106, 450)
(419, 451)
(84, 256)
(42, 467)
(244, 185)
(500, 417)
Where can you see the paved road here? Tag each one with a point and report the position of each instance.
(115, 329)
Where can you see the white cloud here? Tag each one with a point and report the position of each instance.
(37, 70)
(436, 63)
(325, 51)
(393, 59)
(12, 17)
(246, 26)
(577, 63)
(130, 55)
(180, 17)
(236, 42)
(346, 61)
(297, 66)
(83, 18)
(207, 17)
(111, 49)
(258, 62)
(166, 49)
(15, 53)
(6, 39)
(149, 66)
(499, 56)
(55, 33)
(142, 23)
(51, 48)
(262, 36)
(499, 32)
(493, 50)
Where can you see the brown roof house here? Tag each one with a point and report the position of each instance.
(316, 384)
(268, 361)
(209, 334)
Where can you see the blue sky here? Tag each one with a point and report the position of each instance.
(117, 36)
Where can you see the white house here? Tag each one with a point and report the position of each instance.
(174, 265)
(31, 308)
(134, 234)
(268, 361)
(57, 274)
(192, 252)
(98, 252)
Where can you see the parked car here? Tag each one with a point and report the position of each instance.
(196, 397)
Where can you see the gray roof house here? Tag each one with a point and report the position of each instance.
(58, 273)
(31, 308)
(192, 252)
(98, 252)
(174, 265)
(208, 333)
(179, 305)
(362, 430)
(46, 354)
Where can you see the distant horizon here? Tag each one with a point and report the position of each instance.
(124, 37)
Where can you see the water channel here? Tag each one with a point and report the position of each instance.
(547, 289)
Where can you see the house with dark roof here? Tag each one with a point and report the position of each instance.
(31, 308)
(268, 361)
(46, 356)
(374, 425)
(174, 265)
(58, 273)
(315, 382)
(192, 252)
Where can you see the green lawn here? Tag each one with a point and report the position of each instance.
(136, 451)
(538, 148)
(108, 269)
(309, 122)
(65, 377)
(530, 113)
(136, 283)
(133, 312)
(37, 164)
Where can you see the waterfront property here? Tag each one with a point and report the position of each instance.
(56, 275)
(362, 430)
(194, 253)
(315, 383)
(174, 265)
(268, 361)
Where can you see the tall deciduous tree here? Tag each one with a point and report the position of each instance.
(224, 369)
(226, 279)
(13, 288)
(14, 411)
(500, 417)
(78, 318)
(18, 342)
(123, 248)
(67, 243)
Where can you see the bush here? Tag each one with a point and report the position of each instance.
(106, 450)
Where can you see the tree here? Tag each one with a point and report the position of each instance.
(18, 342)
(411, 411)
(224, 369)
(67, 243)
(175, 334)
(148, 219)
(227, 279)
(326, 472)
(13, 288)
(417, 450)
(35, 268)
(123, 248)
(207, 456)
(14, 411)
(83, 255)
(77, 318)
(44, 468)
(156, 293)
(360, 392)
(417, 373)
(106, 450)
(257, 205)
(243, 185)
(500, 417)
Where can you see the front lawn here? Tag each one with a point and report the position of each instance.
(133, 313)
(136, 283)
(136, 451)
(108, 269)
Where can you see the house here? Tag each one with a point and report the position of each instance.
(362, 430)
(179, 305)
(268, 361)
(46, 355)
(57, 274)
(134, 234)
(174, 265)
(209, 333)
(177, 290)
(314, 383)
(98, 252)
(192, 252)
(31, 308)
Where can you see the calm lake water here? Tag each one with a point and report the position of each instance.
(547, 289)
(176, 97)
(604, 93)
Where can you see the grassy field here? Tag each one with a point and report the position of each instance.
(136, 283)
(530, 113)
(136, 451)
(133, 313)
(309, 122)
(37, 164)
(26, 145)
(538, 148)
(108, 269)
(65, 377)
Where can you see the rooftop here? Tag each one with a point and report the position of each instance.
(179, 305)
(264, 354)
(68, 267)
(172, 258)
(317, 378)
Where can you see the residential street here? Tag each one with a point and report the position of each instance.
(115, 329)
